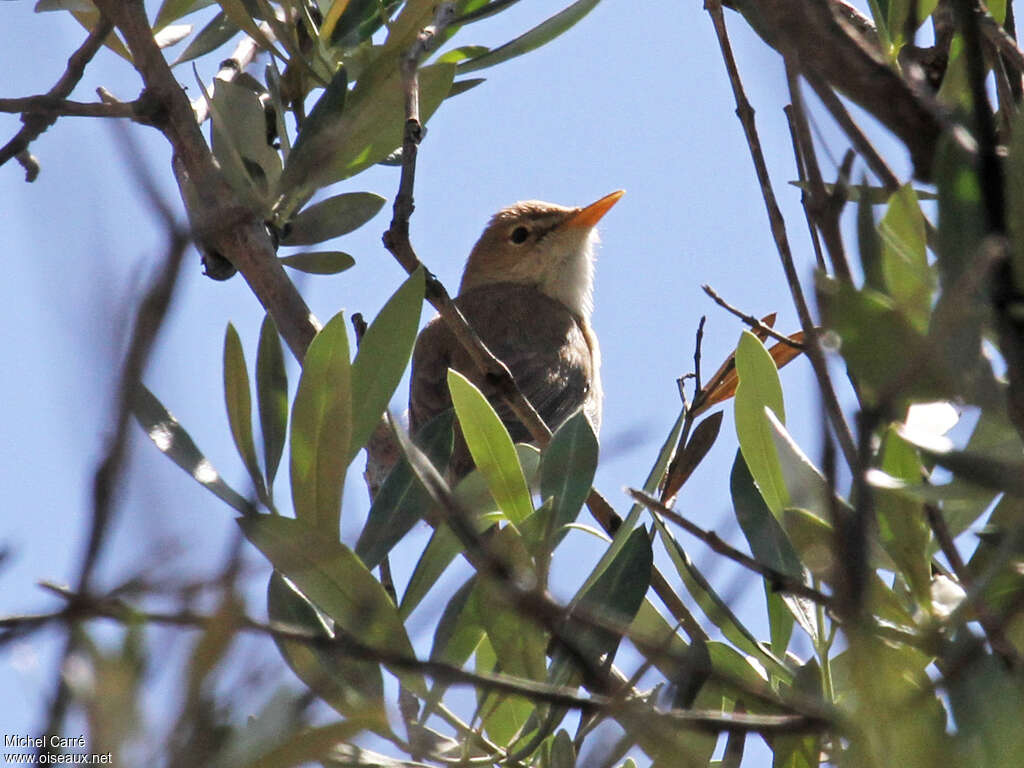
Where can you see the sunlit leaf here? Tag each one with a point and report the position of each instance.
(173, 441)
(383, 356)
(540, 35)
(346, 141)
(759, 388)
(491, 448)
(321, 429)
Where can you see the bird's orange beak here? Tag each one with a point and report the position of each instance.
(588, 216)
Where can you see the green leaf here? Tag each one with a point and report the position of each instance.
(172, 10)
(459, 630)
(567, 468)
(244, 20)
(272, 393)
(908, 276)
(383, 356)
(491, 448)
(714, 607)
(442, 548)
(456, 55)
(240, 143)
(321, 429)
(805, 483)
(1015, 199)
(330, 575)
(615, 596)
(319, 262)
(352, 687)
(890, 359)
(981, 470)
(899, 12)
(332, 218)
(800, 750)
(540, 35)
(759, 388)
(239, 405)
(368, 130)
(402, 500)
(518, 640)
(766, 537)
(173, 441)
(961, 213)
(902, 523)
(870, 246)
(211, 37)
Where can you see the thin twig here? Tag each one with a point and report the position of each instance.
(825, 208)
(698, 343)
(853, 132)
(397, 241)
(781, 582)
(52, 107)
(801, 170)
(752, 321)
(35, 122)
(778, 227)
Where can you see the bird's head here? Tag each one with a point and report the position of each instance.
(544, 244)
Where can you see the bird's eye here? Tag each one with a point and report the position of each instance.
(519, 235)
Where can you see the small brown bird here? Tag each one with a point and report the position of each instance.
(527, 290)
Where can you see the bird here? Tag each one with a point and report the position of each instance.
(527, 290)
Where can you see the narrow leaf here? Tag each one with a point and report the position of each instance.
(272, 393)
(687, 460)
(540, 35)
(352, 687)
(332, 218)
(759, 388)
(173, 441)
(238, 399)
(567, 468)
(335, 581)
(218, 31)
(402, 501)
(319, 262)
(491, 448)
(321, 429)
(383, 356)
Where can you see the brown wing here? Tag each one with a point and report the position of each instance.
(541, 342)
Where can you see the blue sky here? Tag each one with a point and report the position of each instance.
(634, 97)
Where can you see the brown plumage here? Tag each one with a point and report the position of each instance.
(527, 291)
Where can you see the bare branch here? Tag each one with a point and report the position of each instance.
(752, 321)
(35, 122)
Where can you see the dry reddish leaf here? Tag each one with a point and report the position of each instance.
(723, 384)
(686, 459)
